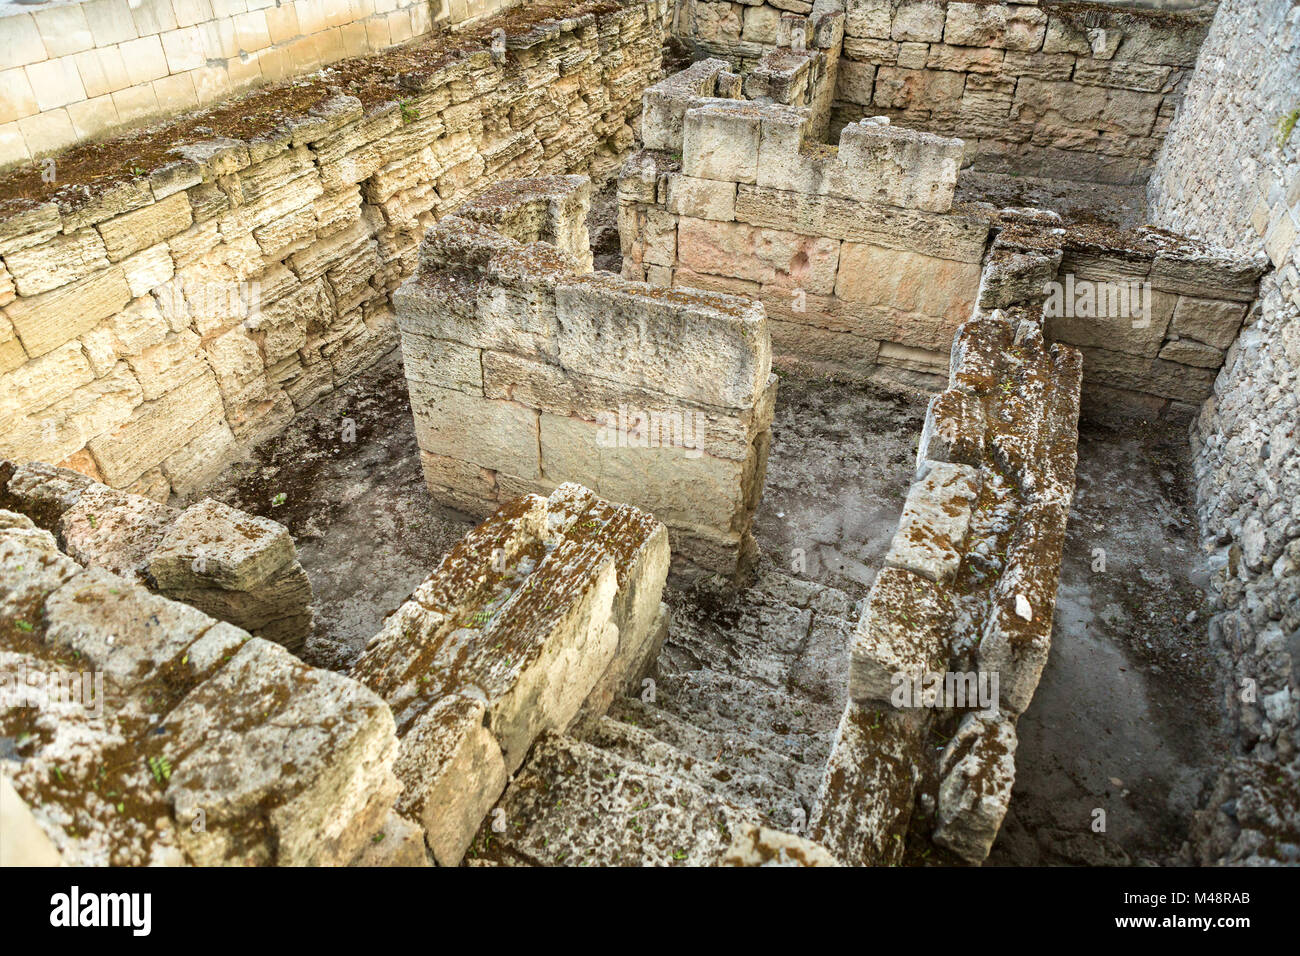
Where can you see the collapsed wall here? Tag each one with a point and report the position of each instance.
(146, 732)
(171, 738)
(531, 623)
(1058, 89)
(175, 296)
(966, 597)
(235, 566)
(1231, 171)
(527, 370)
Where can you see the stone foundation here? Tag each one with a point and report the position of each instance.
(968, 591)
(1240, 115)
(526, 370)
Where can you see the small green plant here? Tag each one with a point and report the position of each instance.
(279, 499)
(161, 768)
(23, 626)
(409, 113)
(1285, 124)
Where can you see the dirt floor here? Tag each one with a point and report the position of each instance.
(1124, 720)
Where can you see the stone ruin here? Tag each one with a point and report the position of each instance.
(865, 194)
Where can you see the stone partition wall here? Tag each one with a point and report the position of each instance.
(527, 370)
(235, 566)
(965, 601)
(173, 297)
(1153, 312)
(72, 71)
(1065, 90)
(861, 262)
(531, 623)
(1230, 171)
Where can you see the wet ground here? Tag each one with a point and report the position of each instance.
(1124, 720)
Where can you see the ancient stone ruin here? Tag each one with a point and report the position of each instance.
(541, 433)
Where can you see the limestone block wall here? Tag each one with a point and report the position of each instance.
(1153, 312)
(527, 370)
(1059, 89)
(963, 608)
(175, 296)
(531, 623)
(1230, 171)
(237, 567)
(743, 33)
(862, 264)
(132, 717)
(73, 70)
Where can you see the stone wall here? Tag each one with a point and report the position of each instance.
(860, 261)
(527, 370)
(200, 744)
(73, 71)
(968, 589)
(1153, 312)
(232, 565)
(145, 732)
(1058, 89)
(172, 299)
(1231, 170)
(537, 618)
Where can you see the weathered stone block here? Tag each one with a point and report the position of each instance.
(903, 635)
(720, 141)
(214, 545)
(932, 530)
(314, 771)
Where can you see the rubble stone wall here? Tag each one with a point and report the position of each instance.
(1230, 171)
(1064, 90)
(72, 72)
(185, 296)
(855, 250)
(527, 370)
(968, 588)
(237, 567)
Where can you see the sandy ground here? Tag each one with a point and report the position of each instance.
(1124, 720)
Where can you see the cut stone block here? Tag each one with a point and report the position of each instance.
(978, 769)
(214, 545)
(932, 530)
(289, 764)
(904, 633)
(452, 773)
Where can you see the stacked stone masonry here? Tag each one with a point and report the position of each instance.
(866, 267)
(1231, 171)
(75, 71)
(165, 312)
(146, 732)
(527, 370)
(1056, 89)
(231, 565)
(851, 249)
(968, 591)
